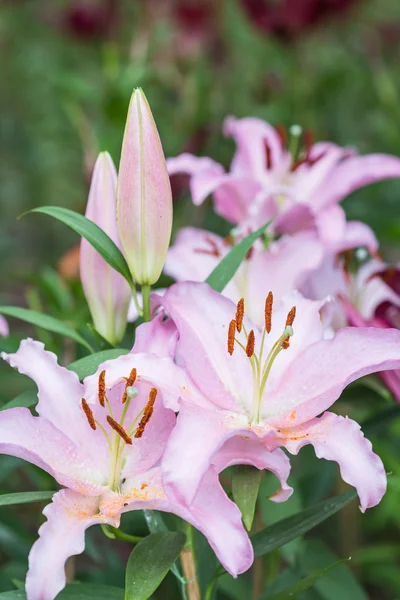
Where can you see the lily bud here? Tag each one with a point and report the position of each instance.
(4, 331)
(106, 291)
(144, 204)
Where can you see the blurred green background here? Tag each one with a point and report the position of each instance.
(68, 71)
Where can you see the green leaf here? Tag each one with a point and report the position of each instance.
(288, 529)
(294, 591)
(76, 591)
(245, 486)
(27, 399)
(93, 234)
(228, 266)
(149, 563)
(88, 365)
(44, 321)
(24, 497)
(380, 421)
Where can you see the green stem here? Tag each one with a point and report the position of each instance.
(135, 300)
(146, 302)
(116, 534)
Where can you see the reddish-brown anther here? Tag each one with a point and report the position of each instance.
(250, 344)
(89, 415)
(148, 411)
(268, 312)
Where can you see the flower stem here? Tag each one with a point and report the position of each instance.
(189, 566)
(116, 534)
(146, 302)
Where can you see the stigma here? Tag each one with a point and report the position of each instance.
(241, 340)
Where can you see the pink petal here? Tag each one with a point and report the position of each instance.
(353, 173)
(373, 290)
(331, 225)
(4, 330)
(170, 380)
(324, 156)
(318, 375)
(202, 317)
(144, 205)
(59, 393)
(198, 435)
(285, 266)
(206, 174)
(234, 196)
(341, 439)
(194, 254)
(36, 440)
(248, 451)
(105, 289)
(296, 218)
(158, 336)
(211, 512)
(146, 451)
(61, 536)
(356, 234)
(251, 136)
(220, 521)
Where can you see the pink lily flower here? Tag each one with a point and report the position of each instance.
(144, 205)
(103, 441)
(366, 299)
(283, 267)
(106, 291)
(4, 329)
(269, 386)
(265, 182)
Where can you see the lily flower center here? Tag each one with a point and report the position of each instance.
(261, 365)
(118, 436)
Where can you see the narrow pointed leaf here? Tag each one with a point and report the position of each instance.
(245, 486)
(24, 497)
(88, 365)
(45, 322)
(228, 266)
(284, 531)
(93, 234)
(294, 591)
(149, 563)
(26, 399)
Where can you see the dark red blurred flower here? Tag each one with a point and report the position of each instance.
(288, 18)
(87, 20)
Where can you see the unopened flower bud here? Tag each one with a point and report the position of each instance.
(144, 204)
(106, 291)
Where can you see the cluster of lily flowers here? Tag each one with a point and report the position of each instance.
(213, 379)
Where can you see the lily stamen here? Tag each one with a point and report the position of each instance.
(102, 389)
(129, 383)
(119, 429)
(231, 336)
(239, 315)
(89, 414)
(148, 411)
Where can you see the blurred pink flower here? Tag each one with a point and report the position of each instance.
(4, 329)
(283, 267)
(269, 386)
(107, 292)
(266, 182)
(103, 441)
